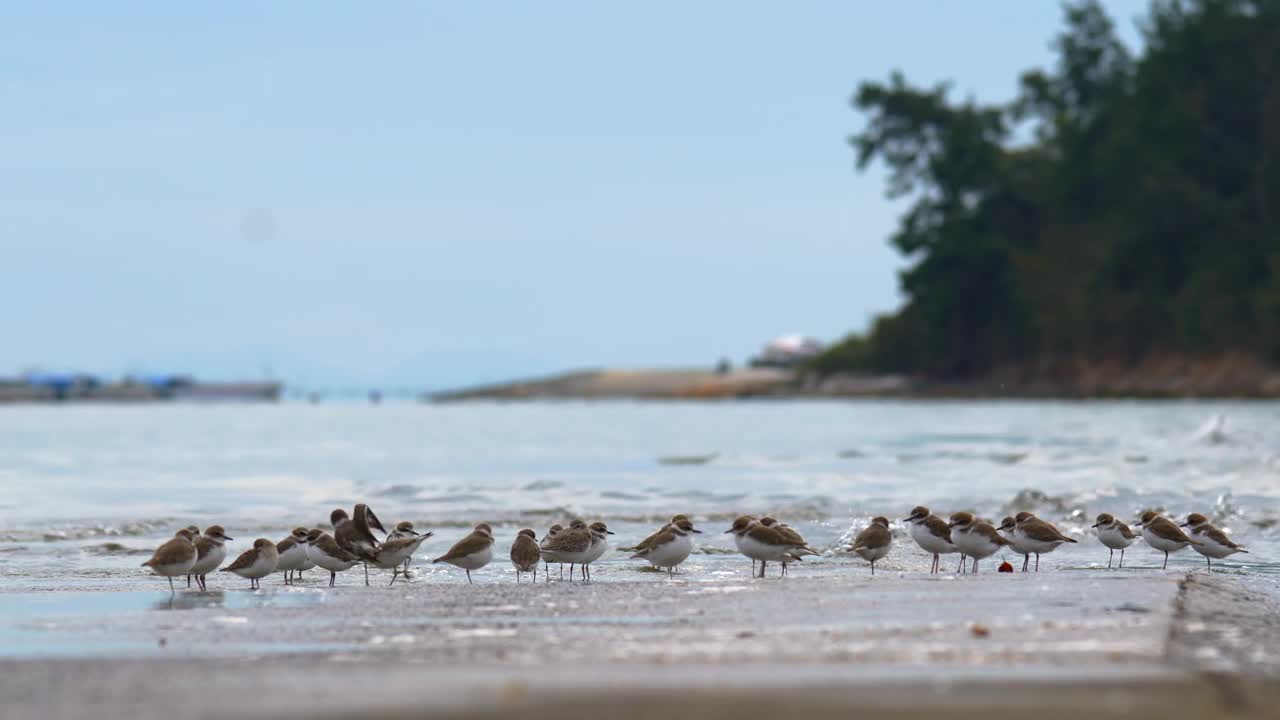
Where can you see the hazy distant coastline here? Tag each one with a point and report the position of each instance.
(1229, 376)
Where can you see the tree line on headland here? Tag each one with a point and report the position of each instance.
(1120, 210)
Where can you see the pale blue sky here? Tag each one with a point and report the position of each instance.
(457, 190)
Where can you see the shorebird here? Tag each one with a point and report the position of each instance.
(471, 552)
(174, 558)
(552, 532)
(255, 563)
(599, 545)
(324, 551)
(873, 542)
(1036, 536)
(791, 536)
(975, 538)
(391, 554)
(525, 553)
(670, 547)
(931, 533)
(293, 553)
(404, 531)
(210, 552)
(1006, 528)
(645, 543)
(354, 533)
(1162, 534)
(571, 546)
(740, 525)
(1115, 535)
(1211, 542)
(761, 542)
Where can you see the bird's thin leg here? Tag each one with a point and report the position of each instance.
(188, 580)
(873, 567)
(1037, 562)
(1121, 557)
(469, 578)
(1166, 561)
(1110, 558)
(332, 576)
(366, 574)
(171, 590)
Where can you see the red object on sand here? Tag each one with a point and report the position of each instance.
(1005, 567)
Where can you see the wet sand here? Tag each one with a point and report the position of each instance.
(1108, 644)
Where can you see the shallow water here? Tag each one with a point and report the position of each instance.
(88, 490)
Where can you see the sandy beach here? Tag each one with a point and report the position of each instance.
(1109, 644)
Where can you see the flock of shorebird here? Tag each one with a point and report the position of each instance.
(763, 539)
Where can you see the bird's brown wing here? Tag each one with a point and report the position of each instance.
(875, 536)
(247, 558)
(1043, 532)
(471, 544)
(990, 533)
(172, 552)
(1219, 537)
(525, 552)
(569, 541)
(938, 527)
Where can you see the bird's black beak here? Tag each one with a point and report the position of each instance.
(224, 537)
(1185, 525)
(1095, 525)
(610, 532)
(726, 532)
(698, 531)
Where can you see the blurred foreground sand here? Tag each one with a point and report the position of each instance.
(1061, 644)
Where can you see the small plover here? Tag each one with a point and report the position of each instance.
(645, 543)
(525, 553)
(255, 563)
(471, 552)
(293, 553)
(739, 528)
(324, 551)
(210, 552)
(391, 554)
(551, 532)
(599, 546)
(1163, 534)
(761, 542)
(1006, 528)
(975, 538)
(572, 545)
(1037, 536)
(1115, 535)
(404, 531)
(873, 543)
(355, 533)
(931, 533)
(174, 558)
(1211, 542)
(670, 547)
(790, 535)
